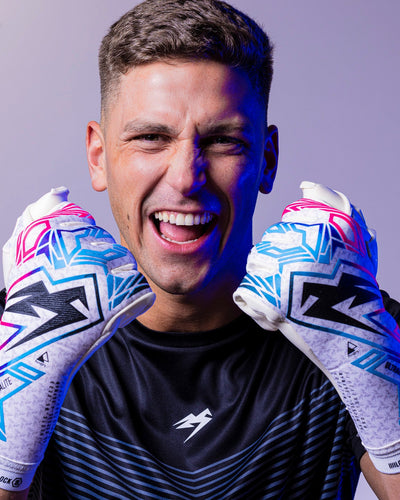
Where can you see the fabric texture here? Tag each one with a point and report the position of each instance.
(267, 422)
(106, 447)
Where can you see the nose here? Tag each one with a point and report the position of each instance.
(186, 169)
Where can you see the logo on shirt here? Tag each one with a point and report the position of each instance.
(196, 422)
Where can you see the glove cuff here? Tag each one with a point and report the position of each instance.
(387, 459)
(15, 476)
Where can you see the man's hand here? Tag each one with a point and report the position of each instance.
(69, 287)
(313, 278)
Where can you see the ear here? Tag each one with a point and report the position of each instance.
(271, 153)
(95, 149)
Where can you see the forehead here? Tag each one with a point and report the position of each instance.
(204, 89)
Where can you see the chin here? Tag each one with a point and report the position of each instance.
(179, 288)
(184, 284)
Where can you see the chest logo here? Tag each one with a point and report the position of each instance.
(195, 422)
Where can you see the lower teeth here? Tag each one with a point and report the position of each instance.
(179, 242)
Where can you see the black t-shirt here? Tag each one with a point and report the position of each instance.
(234, 413)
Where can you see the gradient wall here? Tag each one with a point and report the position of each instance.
(334, 98)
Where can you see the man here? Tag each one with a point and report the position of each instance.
(193, 400)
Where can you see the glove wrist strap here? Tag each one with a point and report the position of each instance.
(15, 476)
(387, 459)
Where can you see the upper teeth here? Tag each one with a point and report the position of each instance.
(180, 219)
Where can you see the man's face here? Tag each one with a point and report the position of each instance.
(183, 152)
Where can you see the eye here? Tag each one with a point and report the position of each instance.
(151, 142)
(224, 144)
(222, 139)
(147, 137)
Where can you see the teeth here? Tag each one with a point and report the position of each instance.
(181, 219)
(178, 242)
(189, 218)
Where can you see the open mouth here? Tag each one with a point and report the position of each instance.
(182, 228)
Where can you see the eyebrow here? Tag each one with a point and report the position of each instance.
(227, 127)
(139, 127)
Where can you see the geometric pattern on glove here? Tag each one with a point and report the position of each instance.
(49, 302)
(321, 276)
(43, 312)
(17, 377)
(352, 228)
(316, 243)
(34, 239)
(40, 238)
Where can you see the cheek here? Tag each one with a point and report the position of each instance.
(120, 212)
(120, 193)
(239, 188)
(129, 183)
(242, 186)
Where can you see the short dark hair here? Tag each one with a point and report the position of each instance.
(158, 30)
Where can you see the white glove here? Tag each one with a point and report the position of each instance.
(313, 278)
(69, 287)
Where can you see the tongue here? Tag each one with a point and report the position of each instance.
(180, 233)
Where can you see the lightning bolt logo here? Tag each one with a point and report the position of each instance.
(352, 290)
(194, 421)
(59, 303)
(47, 313)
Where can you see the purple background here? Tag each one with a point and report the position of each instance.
(334, 99)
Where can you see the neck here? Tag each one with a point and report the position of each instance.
(186, 313)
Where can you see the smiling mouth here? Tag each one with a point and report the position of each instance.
(182, 228)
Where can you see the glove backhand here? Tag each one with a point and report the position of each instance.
(69, 287)
(313, 278)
